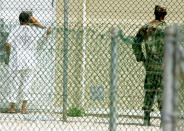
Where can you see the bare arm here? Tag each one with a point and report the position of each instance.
(8, 51)
(37, 24)
(8, 48)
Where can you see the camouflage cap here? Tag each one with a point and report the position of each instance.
(160, 8)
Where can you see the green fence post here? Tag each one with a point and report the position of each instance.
(113, 82)
(65, 60)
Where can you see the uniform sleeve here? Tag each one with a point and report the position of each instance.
(137, 45)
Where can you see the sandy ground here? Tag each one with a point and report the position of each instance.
(60, 126)
(44, 122)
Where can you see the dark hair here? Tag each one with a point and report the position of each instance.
(24, 17)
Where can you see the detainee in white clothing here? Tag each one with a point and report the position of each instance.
(22, 45)
(20, 82)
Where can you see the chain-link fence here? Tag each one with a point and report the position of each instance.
(59, 71)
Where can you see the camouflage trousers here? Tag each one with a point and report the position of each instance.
(152, 87)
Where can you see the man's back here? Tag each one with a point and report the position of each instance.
(23, 41)
(153, 35)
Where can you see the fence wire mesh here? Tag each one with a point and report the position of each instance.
(57, 74)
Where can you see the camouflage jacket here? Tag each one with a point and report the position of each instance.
(152, 35)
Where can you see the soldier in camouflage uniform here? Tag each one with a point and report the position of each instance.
(152, 35)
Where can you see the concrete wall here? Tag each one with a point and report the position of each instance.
(102, 15)
(119, 11)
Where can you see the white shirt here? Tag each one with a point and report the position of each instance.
(23, 42)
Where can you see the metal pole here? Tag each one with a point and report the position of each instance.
(175, 74)
(83, 52)
(65, 60)
(113, 82)
(170, 81)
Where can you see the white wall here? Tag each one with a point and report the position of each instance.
(43, 10)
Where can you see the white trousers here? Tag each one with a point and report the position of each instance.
(20, 85)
